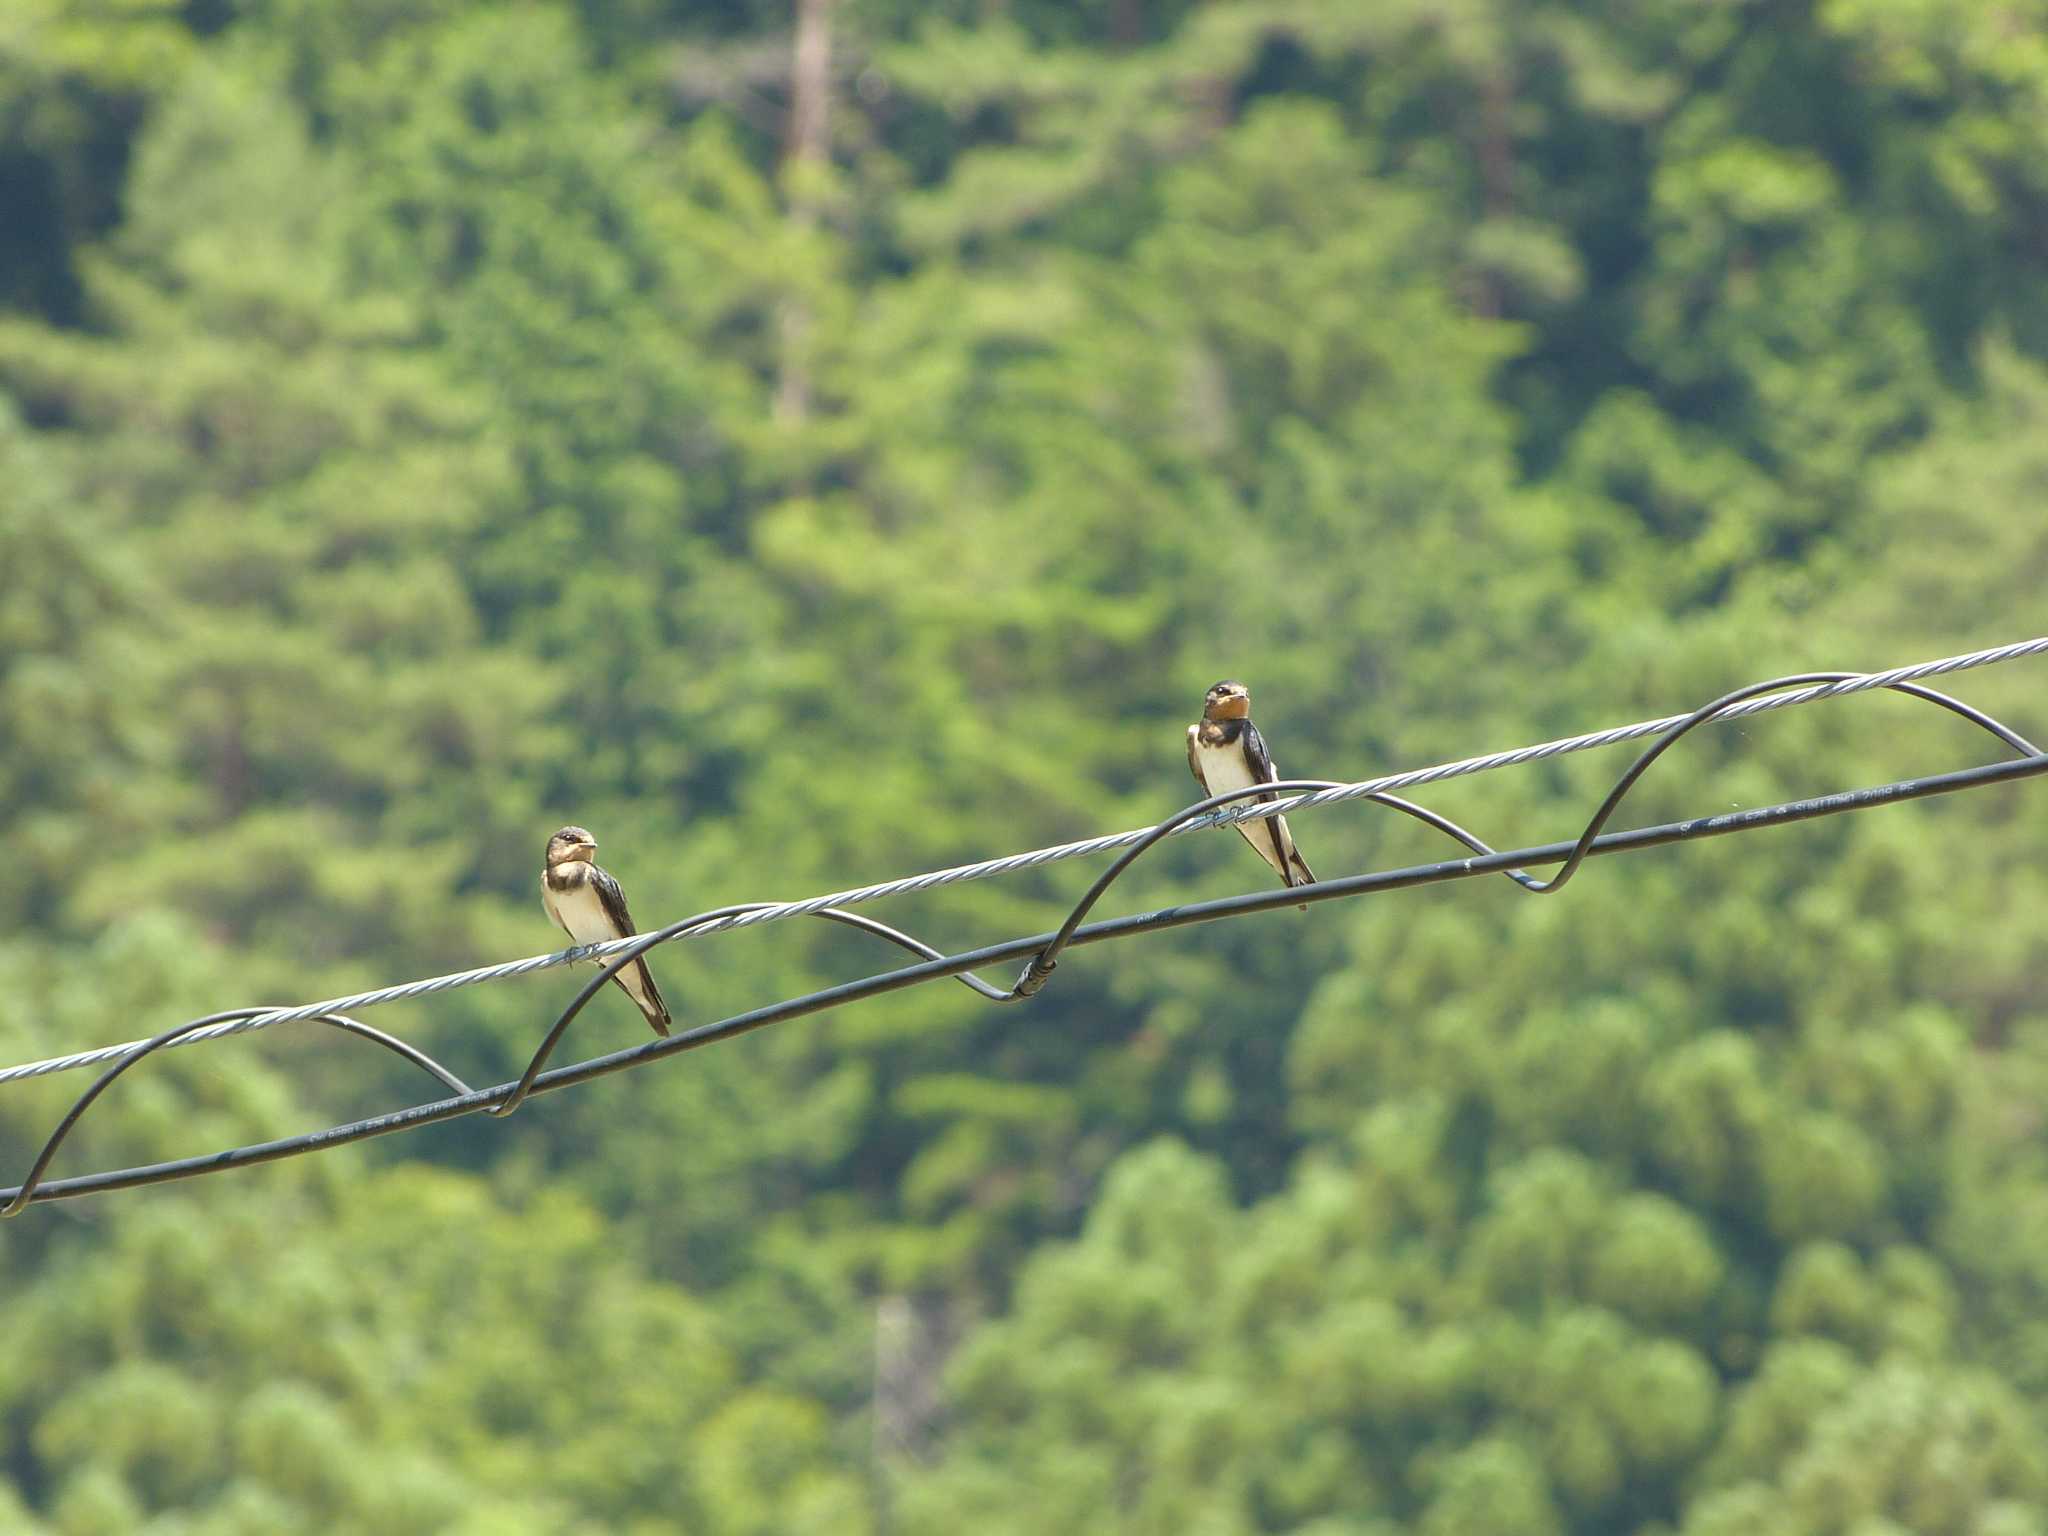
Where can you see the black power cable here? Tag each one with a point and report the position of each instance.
(1043, 957)
(1108, 930)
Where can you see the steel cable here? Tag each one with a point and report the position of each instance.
(775, 911)
(1639, 839)
(20, 1197)
(507, 1098)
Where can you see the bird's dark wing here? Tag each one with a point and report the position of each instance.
(1260, 761)
(614, 900)
(613, 897)
(1195, 762)
(1257, 758)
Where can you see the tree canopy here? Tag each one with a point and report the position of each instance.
(811, 443)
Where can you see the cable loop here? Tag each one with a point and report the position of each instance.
(641, 943)
(26, 1193)
(1009, 864)
(2010, 771)
(1223, 809)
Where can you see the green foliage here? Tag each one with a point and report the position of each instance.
(421, 425)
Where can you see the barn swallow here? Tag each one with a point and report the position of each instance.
(587, 904)
(1226, 752)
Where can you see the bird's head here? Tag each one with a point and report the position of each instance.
(569, 845)
(1227, 701)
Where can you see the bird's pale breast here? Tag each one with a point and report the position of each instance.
(1224, 768)
(578, 909)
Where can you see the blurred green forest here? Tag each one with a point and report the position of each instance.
(811, 442)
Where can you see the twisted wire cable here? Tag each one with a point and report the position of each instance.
(1211, 810)
(1035, 974)
(1636, 840)
(20, 1198)
(639, 944)
(1845, 683)
(1045, 959)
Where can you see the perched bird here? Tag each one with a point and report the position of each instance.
(587, 904)
(1226, 752)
